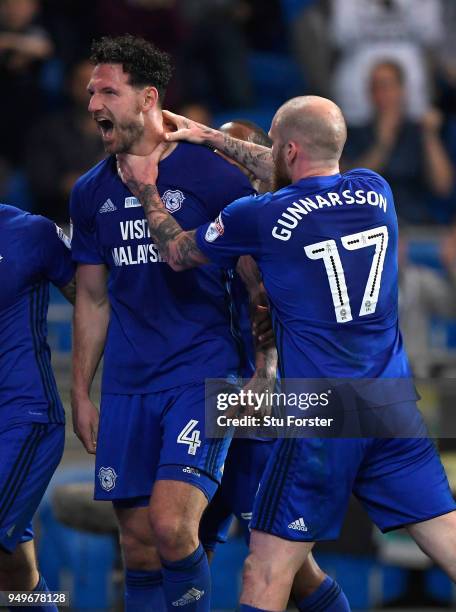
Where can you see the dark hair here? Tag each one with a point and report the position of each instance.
(140, 59)
(258, 136)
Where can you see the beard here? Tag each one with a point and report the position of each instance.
(280, 176)
(126, 136)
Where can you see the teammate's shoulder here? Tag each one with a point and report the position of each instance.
(253, 203)
(8, 211)
(21, 220)
(364, 174)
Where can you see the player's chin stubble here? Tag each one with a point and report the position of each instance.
(280, 176)
(128, 135)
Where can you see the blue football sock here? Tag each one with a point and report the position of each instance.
(144, 591)
(41, 587)
(329, 597)
(246, 608)
(188, 582)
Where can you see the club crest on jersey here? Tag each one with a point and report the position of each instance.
(215, 229)
(132, 202)
(173, 198)
(107, 477)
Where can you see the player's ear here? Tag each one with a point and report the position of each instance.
(291, 152)
(151, 98)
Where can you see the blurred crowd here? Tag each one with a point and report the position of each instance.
(391, 67)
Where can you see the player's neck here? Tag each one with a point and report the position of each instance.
(152, 137)
(310, 171)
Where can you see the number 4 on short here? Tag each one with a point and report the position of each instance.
(328, 251)
(192, 440)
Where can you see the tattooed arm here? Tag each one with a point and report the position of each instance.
(256, 158)
(177, 247)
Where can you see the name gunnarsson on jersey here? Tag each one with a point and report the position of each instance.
(290, 218)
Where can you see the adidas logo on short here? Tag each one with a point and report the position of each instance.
(108, 206)
(298, 525)
(190, 597)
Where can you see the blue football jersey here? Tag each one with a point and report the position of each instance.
(33, 252)
(327, 250)
(166, 329)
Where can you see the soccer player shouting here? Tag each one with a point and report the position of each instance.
(162, 334)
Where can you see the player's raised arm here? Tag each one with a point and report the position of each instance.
(256, 158)
(176, 246)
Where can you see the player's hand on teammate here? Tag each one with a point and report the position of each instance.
(261, 385)
(262, 327)
(139, 170)
(181, 128)
(85, 422)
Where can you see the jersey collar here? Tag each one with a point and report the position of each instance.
(315, 183)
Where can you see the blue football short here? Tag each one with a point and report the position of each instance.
(29, 455)
(156, 436)
(244, 467)
(306, 486)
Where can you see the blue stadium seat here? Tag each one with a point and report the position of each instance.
(71, 560)
(354, 574)
(18, 193)
(425, 253)
(226, 571)
(276, 78)
(439, 586)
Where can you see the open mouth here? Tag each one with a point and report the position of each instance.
(106, 127)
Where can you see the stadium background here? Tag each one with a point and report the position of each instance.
(242, 59)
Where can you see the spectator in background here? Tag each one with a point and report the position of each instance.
(366, 31)
(24, 46)
(158, 21)
(446, 58)
(62, 147)
(264, 25)
(72, 25)
(446, 65)
(309, 38)
(214, 57)
(409, 154)
(154, 20)
(423, 293)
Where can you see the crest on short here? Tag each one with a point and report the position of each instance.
(107, 477)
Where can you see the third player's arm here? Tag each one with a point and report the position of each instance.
(256, 158)
(69, 290)
(90, 323)
(265, 350)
